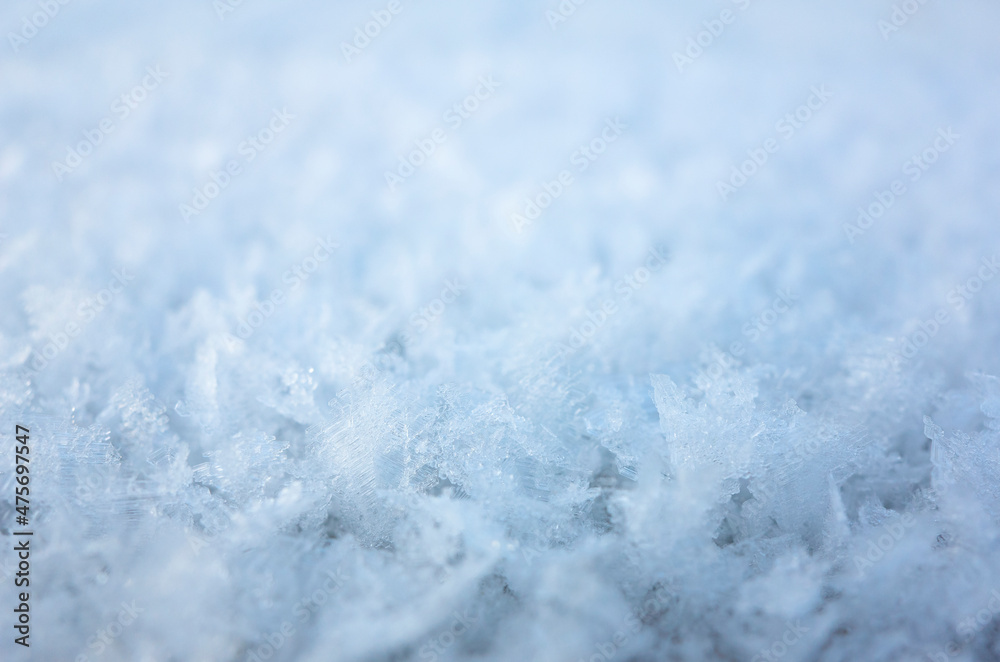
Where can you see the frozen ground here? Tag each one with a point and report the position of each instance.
(317, 415)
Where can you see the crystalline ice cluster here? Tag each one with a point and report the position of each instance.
(575, 382)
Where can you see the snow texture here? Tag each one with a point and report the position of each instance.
(510, 331)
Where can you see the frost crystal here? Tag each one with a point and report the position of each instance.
(499, 331)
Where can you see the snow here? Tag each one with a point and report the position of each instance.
(464, 340)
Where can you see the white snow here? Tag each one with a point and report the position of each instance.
(310, 377)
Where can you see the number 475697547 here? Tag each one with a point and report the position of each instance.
(21, 463)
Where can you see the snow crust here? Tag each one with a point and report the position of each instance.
(337, 416)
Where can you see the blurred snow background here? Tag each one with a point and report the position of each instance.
(330, 418)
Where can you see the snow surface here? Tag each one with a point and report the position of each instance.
(414, 455)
